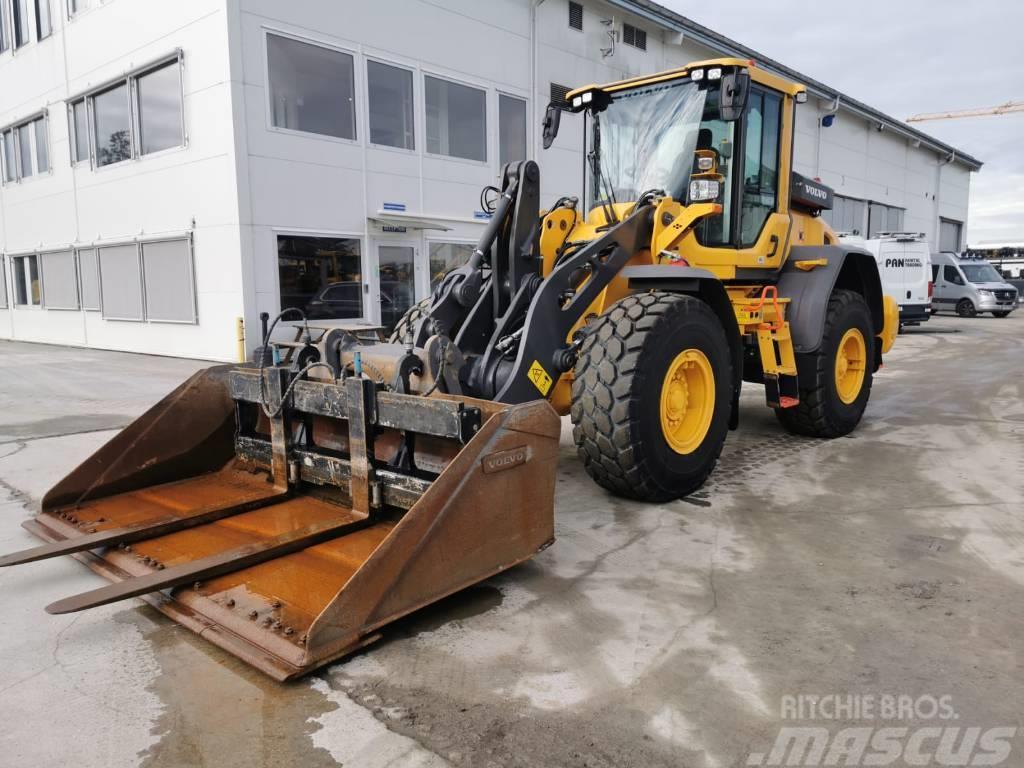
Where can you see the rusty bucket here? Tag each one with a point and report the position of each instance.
(290, 538)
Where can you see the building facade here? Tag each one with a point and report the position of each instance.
(170, 168)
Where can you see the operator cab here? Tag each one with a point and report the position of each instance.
(709, 133)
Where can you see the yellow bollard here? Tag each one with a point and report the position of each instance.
(240, 331)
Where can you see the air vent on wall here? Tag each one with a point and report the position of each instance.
(575, 15)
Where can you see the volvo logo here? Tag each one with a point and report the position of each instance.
(502, 460)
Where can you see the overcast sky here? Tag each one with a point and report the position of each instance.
(905, 57)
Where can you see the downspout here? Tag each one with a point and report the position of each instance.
(937, 220)
(534, 52)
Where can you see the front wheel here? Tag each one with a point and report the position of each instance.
(651, 396)
(1001, 313)
(965, 308)
(832, 403)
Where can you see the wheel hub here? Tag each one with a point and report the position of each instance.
(687, 401)
(851, 362)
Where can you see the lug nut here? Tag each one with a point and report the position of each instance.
(159, 566)
(197, 585)
(276, 604)
(253, 615)
(289, 631)
(230, 603)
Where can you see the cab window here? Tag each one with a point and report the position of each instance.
(717, 135)
(935, 273)
(760, 163)
(951, 275)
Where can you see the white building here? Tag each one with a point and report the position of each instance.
(169, 168)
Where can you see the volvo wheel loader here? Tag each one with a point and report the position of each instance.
(289, 508)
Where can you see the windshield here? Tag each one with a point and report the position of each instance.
(645, 140)
(981, 273)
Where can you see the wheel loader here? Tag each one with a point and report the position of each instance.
(289, 508)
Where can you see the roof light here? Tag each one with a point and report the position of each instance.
(588, 97)
(705, 163)
(577, 102)
(715, 73)
(697, 74)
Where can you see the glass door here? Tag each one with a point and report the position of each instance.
(396, 281)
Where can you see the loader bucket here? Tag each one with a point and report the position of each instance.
(289, 540)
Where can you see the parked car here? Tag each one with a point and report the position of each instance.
(968, 286)
(345, 300)
(904, 265)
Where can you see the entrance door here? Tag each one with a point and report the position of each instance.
(396, 281)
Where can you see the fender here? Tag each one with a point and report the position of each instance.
(708, 288)
(846, 267)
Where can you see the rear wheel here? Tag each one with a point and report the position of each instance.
(1001, 313)
(832, 403)
(965, 308)
(651, 396)
(408, 321)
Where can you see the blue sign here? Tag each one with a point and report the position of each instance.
(394, 206)
(481, 215)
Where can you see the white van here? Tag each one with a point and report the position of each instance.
(904, 265)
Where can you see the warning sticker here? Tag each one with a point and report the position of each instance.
(540, 378)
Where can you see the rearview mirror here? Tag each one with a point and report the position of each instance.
(733, 96)
(552, 119)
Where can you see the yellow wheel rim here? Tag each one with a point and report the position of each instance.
(687, 401)
(851, 360)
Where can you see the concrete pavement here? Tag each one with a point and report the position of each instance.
(888, 562)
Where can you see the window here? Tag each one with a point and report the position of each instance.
(60, 280)
(952, 275)
(9, 162)
(935, 273)
(575, 16)
(121, 281)
(43, 24)
(5, 37)
(323, 276)
(112, 127)
(760, 163)
(456, 119)
(444, 257)
(511, 129)
(20, 22)
(89, 274)
(884, 218)
(3, 283)
(312, 88)
(847, 215)
(558, 93)
(950, 234)
(390, 96)
(27, 289)
(634, 36)
(137, 115)
(159, 94)
(25, 150)
(169, 282)
(79, 132)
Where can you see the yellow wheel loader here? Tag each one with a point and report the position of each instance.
(289, 508)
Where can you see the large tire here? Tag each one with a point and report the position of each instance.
(408, 321)
(825, 411)
(626, 408)
(966, 308)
